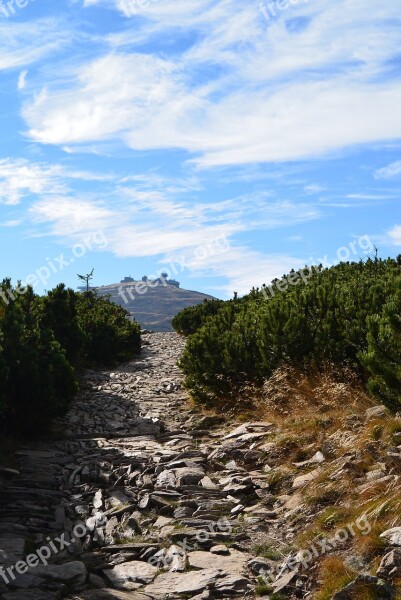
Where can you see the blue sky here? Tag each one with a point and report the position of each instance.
(221, 140)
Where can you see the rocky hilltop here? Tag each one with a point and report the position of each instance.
(140, 496)
(153, 306)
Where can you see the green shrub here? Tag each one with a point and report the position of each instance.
(43, 340)
(189, 320)
(324, 320)
(39, 381)
(109, 336)
(383, 357)
(61, 315)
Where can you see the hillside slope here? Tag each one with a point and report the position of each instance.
(155, 308)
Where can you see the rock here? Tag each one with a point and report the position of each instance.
(379, 587)
(237, 509)
(283, 582)
(260, 565)
(376, 411)
(207, 483)
(304, 479)
(98, 499)
(33, 594)
(183, 511)
(176, 558)
(105, 594)
(390, 564)
(209, 421)
(182, 583)
(166, 479)
(162, 522)
(128, 575)
(393, 536)
(232, 584)
(12, 549)
(188, 476)
(234, 562)
(260, 427)
(73, 574)
(317, 458)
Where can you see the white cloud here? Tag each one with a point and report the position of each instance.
(12, 223)
(24, 43)
(242, 267)
(365, 196)
(145, 102)
(142, 222)
(270, 94)
(314, 188)
(21, 178)
(389, 171)
(22, 80)
(394, 235)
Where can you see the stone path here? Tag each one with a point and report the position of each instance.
(138, 496)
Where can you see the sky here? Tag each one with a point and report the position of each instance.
(224, 142)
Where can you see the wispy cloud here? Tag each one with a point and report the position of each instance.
(24, 43)
(389, 171)
(20, 178)
(278, 96)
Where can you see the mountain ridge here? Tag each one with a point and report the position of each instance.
(153, 304)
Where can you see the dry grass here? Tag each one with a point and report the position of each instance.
(334, 575)
(290, 392)
(326, 412)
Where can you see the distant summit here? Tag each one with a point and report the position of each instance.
(163, 277)
(152, 302)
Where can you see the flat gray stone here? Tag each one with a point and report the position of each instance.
(73, 574)
(193, 582)
(129, 575)
(304, 479)
(235, 562)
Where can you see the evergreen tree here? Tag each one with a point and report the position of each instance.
(383, 357)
